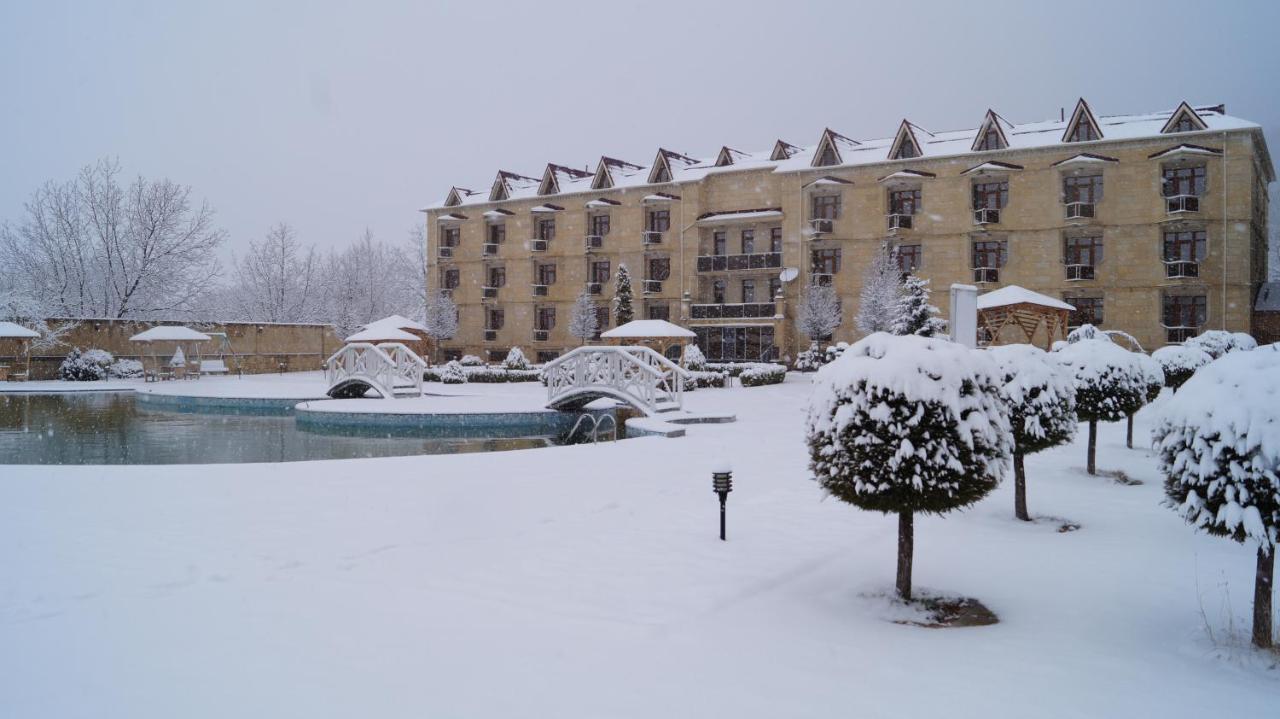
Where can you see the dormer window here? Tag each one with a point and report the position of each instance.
(905, 145)
(1184, 119)
(1083, 132)
(1083, 127)
(907, 151)
(1184, 124)
(990, 140)
(828, 156)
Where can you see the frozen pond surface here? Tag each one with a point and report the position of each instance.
(112, 428)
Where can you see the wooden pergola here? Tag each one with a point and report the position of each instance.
(1019, 307)
(21, 337)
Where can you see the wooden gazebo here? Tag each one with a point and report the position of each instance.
(397, 328)
(1019, 308)
(181, 365)
(667, 338)
(20, 337)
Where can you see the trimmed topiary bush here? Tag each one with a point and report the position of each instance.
(704, 380)
(125, 369)
(694, 360)
(1110, 385)
(1219, 342)
(1041, 400)
(452, 373)
(1179, 362)
(470, 361)
(907, 424)
(85, 365)
(515, 360)
(757, 375)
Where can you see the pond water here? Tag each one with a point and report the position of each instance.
(112, 428)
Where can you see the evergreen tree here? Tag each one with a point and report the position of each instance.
(1041, 400)
(623, 312)
(1179, 362)
(905, 425)
(582, 318)
(881, 287)
(913, 314)
(1110, 385)
(819, 313)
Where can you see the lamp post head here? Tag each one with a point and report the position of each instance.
(722, 482)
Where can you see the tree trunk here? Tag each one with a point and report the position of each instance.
(1128, 433)
(1093, 446)
(1020, 488)
(1261, 596)
(906, 542)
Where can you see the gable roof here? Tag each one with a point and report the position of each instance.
(783, 150)
(830, 143)
(1185, 149)
(606, 168)
(457, 195)
(508, 182)
(992, 121)
(728, 156)
(1184, 111)
(1081, 115)
(555, 174)
(992, 166)
(1082, 158)
(666, 164)
(904, 139)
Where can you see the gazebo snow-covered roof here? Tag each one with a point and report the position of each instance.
(13, 331)
(170, 333)
(383, 333)
(1020, 307)
(397, 322)
(646, 329)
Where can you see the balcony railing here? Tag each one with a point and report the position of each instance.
(1177, 269)
(1178, 335)
(986, 216)
(445, 253)
(652, 287)
(825, 279)
(822, 225)
(1079, 272)
(489, 293)
(595, 288)
(899, 222)
(594, 242)
(1178, 204)
(490, 248)
(539, 290)
(742, 310)
(1079, 210)
(538, 245)
(541, 335)
(652, 237)
(986, 274)
(754, 261)
(490, 335)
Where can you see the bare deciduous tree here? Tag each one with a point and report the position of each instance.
(819, 313)
(278, 279)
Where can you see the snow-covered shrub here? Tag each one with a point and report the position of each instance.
(759, 374)
(834, 351)
(809, 360)
(703, 380)
(125, 369)
(1219, 445)
(906, 424)
(470, 361)
(85, 365)
(1110, 382)
(694, 360)
(1219, 342)
(452, 373)
(485, 374)
(1041, 399)
(1179, 362)
(515, 360)
(1086, 332)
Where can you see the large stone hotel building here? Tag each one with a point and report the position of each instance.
(1153, 224)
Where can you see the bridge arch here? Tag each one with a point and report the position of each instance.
(391, 369)
(635, 375)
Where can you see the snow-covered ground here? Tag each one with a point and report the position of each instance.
(588, 581)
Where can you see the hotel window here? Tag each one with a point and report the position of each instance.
(1082, 188)
(1083, 132)
(1184, 124)
(828, 157)
(1189, 180)
(547, 273)
(990, 141)
(497, 277)
(659, 220)
(748, 241)
(1088, 311)
(1183, 251)
(450, 236)
(990, 195)
(904, 202)
(988, 257)
(719, 244)
(748, 291)
(546, 318)
(600, 272)
(450, 279)
(497, 233)
(825, 207)
(494, 318)
(909, 257)
(659, 268)
(599, 225)
(658, 310)
(1081, 255)
(547, 229)
(775, 240)
(826, 262)
(717, 292)
(1183, 316)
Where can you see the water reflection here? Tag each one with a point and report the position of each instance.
(109, 428)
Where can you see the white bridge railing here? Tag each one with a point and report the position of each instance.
(391, 368)
(639, 376)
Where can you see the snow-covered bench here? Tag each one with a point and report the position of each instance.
(213, 366)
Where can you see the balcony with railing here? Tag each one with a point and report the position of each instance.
(986, 216)
(1179, 269)
(898, 222)
(986, 275)
(490, 249)
(651, 237)
(594, 242)
(751, 261)
(445, 252)
(652, 287)
(540, 335)
(536, 245)
(540, 290)
(1079, 272)
(822, 225)
(1181, 204)
(740, 310)
(489, 293)
(1080, 211)
(595, 288)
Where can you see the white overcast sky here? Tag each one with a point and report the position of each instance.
(338, 116)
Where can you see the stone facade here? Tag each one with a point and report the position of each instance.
(774, 202)
(258, 348)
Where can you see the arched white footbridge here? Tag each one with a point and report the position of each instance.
(389, 368)
(638, 376)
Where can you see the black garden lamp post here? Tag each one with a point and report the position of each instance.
(722, 484)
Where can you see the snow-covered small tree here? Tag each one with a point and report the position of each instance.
(881, 287)
(913, 314)
(452, 373)
(1041, 400)
(515, 360)
(1179, 362)
(908, 424)
(441, 318)
(1086, 332)
(694, 360)
(1110, 384)
(819, 313)
(623, 311)
(582, 318)
(1219, 342)
(1153, 377)
(1219, 445)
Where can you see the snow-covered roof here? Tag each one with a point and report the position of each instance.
(169, 333)
(852, 153)
(764, 213)
(1268, 297)
(647, 328)
(397, 322)
(10, 330)
(1015, 295)
(382, 334)
(992, 166)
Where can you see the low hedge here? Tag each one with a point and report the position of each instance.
(487, 375)
(759, 374)
(703, 380)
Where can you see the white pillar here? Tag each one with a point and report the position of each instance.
(964, 315)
